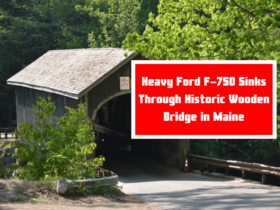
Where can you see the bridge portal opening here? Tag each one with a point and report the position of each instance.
(113, 138)
(113, 130)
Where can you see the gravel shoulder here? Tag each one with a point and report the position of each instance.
(21, 194)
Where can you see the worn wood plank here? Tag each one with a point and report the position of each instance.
(209, 168)
(264, 178)
(110, 132)
(244, 174)
(242, 168)
(233, 162)
(107, 88)
(227, 171)
(25, 98)
(6, 133)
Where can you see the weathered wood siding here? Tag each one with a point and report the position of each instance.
(110, 86)
(25, 98)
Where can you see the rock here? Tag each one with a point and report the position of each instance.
(61, 187)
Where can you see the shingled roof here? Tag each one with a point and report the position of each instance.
(71, 72)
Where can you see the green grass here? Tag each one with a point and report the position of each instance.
(50, 184)
(37, 201)
(99, 189)
(19, 199)
(19, 190)
(27, 200)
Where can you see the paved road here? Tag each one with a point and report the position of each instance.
(171, 189)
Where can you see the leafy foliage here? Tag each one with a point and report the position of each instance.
(216, 30)
(29, 28)
(99, 189)
(259, 151)
(4, 148)
(206, 29)
(177, 29)
(56, 150)
(2, 170)
(121, 18)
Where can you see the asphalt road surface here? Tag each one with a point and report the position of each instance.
(156, 183)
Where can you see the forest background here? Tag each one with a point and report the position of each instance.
(158, 29)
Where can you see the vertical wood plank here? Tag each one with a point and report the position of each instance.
(209, 168)
(227, 171)
(6, 133)
(244, 174)
(17, 109)
(264, 178)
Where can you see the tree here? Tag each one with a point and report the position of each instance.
(28, 29)
(206, 29)
(215, 30)
(56, 149)
(120, 18)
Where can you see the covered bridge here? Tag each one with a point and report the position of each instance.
(100, 77)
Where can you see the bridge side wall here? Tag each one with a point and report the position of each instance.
(170, 152)
(108, 88)
(26, 97)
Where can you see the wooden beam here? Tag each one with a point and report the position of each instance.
(227, 171)
(110, 132)
(244, 174)
(264, 178)
(242, 168)
(6, 133)
(209, 168)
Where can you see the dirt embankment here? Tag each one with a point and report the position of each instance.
(20, 194)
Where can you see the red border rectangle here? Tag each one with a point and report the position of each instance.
(150, 123)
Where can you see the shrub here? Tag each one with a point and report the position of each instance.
(4, 148)
(2, 170)
(99, 189)
(56, 149)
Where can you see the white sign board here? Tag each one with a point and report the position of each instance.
(124, 83)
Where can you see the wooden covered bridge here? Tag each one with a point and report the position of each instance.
(100, 77)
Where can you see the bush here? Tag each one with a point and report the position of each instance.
(56, 149)
(4, 148)
(99, 189)
(2, 170)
